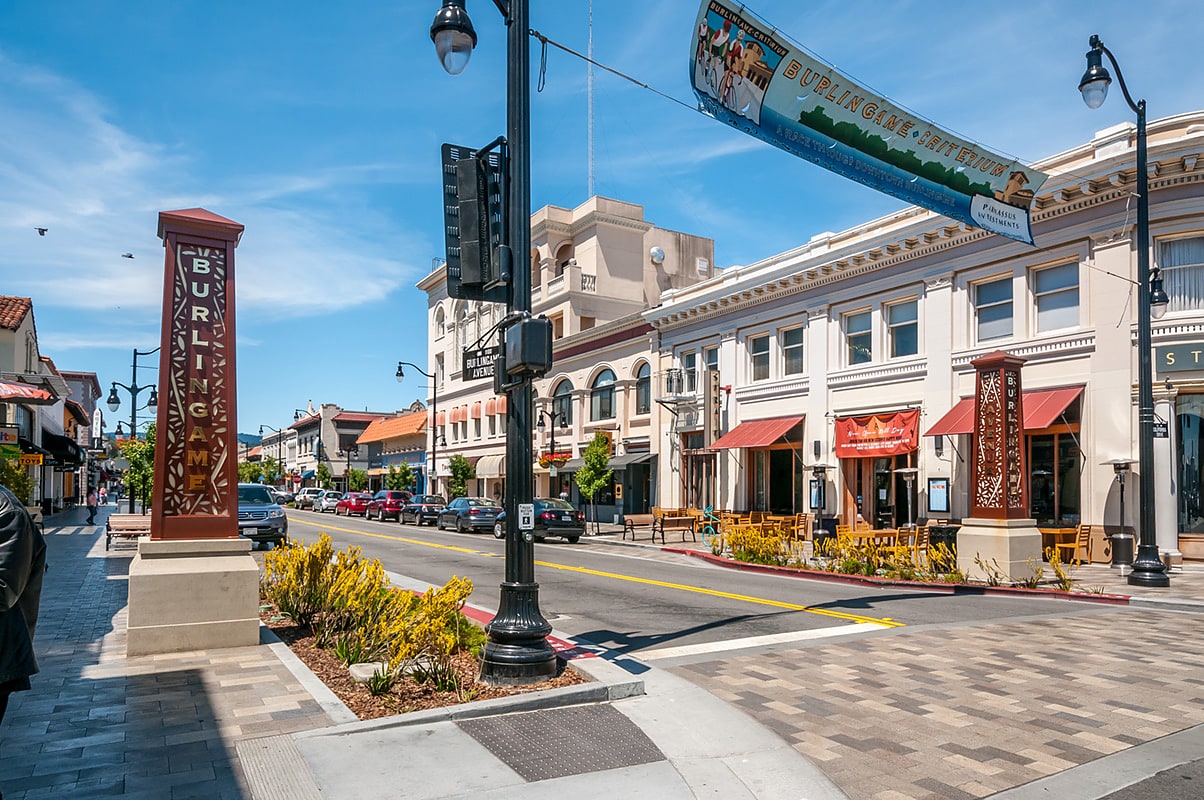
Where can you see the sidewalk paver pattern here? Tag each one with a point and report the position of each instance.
(969, 711)
(99, 724)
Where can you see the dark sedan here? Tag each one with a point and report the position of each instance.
(353, 503)
(387, 504)
(469, 514)
(552, 518)
(423, 509)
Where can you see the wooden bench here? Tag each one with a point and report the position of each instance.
(126, 526)
(686, 524)
(634, 523)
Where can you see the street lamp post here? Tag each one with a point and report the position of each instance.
(517, 651)
(557, 419)
(431, 477)
(279, 449)
(1148, 569)
(114, 402)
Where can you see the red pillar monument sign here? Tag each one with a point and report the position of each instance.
(193, 584)
(999, 530)
(196, 448)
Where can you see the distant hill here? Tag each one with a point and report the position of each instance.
(249, 439)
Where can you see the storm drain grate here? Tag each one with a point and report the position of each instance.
(558, 742)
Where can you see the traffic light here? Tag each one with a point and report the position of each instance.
(478, 261)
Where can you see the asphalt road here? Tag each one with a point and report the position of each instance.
(662, 606)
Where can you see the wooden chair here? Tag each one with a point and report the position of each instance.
(1082, 541)
(912, 542)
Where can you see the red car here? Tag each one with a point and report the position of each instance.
(353, 503)
(387, 504)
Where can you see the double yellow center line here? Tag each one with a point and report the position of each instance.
(885, 622)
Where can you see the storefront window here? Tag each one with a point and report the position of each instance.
(1189, 413)
(1182, 263)
(1055, 468)
(993, 308)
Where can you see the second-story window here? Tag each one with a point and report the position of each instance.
(710, 358)
(602, 396)
(758, 357)
(1182, 264)
(1056, 292)
(562, 402)
(689, 368)
(643, 389)
(859, 336)
(993, 308)
(902, 329)
(792, 351)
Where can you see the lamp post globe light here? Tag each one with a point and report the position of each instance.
(517, 651)
(114, 402)
(1148, 569)
(430, 477)
(557, 419)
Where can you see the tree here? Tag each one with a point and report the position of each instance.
(140, 477)
(595, 475)
(357, 480)
(399, 478)
(271, 471)
(323, 475)
(461, 473)
(16, 479)
(249, 472)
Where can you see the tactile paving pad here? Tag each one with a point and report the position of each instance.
(555, 743)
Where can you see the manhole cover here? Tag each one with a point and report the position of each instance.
(558, 742)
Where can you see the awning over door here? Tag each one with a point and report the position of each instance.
(756, 433)
(619, 462)
(1042, 407)
(492, 466)
(65, 451)
(25, 393)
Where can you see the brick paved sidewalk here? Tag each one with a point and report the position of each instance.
(98, 724)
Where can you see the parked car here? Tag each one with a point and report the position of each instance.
(469, 514)
(552, 518)
(352, 503)
(423, 509)
(260, 517)
(284, 496)
(305, 497)
(327, 501)
(387, 504)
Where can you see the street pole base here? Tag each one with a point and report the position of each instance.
(517, 652)
(1148, 569)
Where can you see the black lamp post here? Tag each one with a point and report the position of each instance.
(348, 453)
(558, 419)
(1148, 569)
(279, 448)
(431, 478)
(518, 651)
(114, 402)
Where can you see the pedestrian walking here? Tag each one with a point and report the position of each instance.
(91, 505)
(22, 564)
(104, 496)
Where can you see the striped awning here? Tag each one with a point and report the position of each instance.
(476, 409)
(25, 393)
(491, 406)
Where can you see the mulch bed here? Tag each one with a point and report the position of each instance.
(407, 694)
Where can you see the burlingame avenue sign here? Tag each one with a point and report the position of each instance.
(478, 364)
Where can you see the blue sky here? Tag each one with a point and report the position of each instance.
(317, 125)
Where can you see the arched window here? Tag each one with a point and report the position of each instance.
(439, 326)
(602, 396)
(563, 254)
(562, 402)
(643, 389)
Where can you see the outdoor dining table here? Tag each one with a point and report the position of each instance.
(1051, 537)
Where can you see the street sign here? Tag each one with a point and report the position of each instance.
(1161, 430)
(478, 364)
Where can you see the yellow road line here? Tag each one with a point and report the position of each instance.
(885, 622)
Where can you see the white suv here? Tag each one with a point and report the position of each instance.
(305, 498)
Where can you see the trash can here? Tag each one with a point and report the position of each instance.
(945, 535)
(1122, 548)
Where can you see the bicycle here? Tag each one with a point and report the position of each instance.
(711, 535)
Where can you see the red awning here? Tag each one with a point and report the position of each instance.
(1041, 407)
(501, 404)
(23, 392)
(756, 433)
(441, 419)
(491, 406)
(960, 419)
(476, 409)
